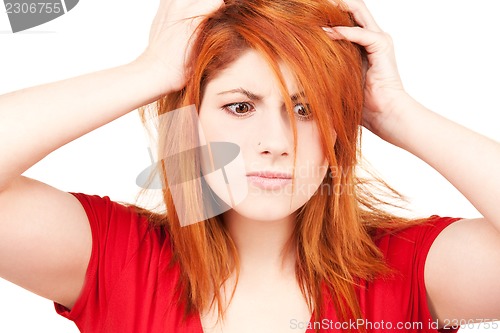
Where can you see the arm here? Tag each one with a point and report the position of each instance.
(45, 239)
(38, 120)
(465, 158)
(462, 269)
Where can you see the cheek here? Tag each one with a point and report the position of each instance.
(222, 165)
(311, 166)
(309, 146)
(224, 171)
(215, 126)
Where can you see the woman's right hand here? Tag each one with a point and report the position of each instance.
(45, 235)
(170, 39)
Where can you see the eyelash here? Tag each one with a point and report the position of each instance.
(226, 108)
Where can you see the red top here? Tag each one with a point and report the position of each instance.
(128, 286)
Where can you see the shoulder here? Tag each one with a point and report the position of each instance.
(461, 272)
(106, 215)
(129, 266)
(405, 251)
(402, 293)
(119, 229)
(126, 247)
(418, 237)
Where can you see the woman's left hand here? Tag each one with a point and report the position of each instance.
(384, 92)
(467, 159)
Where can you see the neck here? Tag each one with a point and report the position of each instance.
(262, 245)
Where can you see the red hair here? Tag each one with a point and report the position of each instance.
(333, 236)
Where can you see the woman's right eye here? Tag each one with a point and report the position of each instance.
(239, 109)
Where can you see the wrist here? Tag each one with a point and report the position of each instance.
(399, 120)
(154, 75)
(416, 124)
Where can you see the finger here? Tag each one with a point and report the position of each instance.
(362, 15)
(206, 7)
(372, 41)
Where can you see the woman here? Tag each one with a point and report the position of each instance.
(289, 250)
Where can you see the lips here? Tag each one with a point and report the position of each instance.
(270, 174)
(269, 180)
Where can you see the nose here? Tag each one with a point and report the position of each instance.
(274, 134)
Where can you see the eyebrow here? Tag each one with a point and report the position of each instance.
(242, 91)
(256, 97)
(298, 96)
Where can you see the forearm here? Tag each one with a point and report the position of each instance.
(38, 120)
(469, 160)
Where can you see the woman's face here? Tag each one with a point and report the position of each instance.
(243, 105)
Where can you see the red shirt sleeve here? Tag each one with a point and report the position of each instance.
(403, 297)
(116, 235)
(129, 286)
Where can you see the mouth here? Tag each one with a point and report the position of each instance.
(269, 180)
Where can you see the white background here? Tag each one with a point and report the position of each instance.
(447, 57)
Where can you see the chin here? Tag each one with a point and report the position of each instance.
(265, 209)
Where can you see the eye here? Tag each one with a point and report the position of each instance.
(239, 109)
(303, 111)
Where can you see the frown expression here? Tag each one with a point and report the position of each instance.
(243, 105)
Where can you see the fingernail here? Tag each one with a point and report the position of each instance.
(332, 32)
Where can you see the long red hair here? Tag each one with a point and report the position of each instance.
(333, 236)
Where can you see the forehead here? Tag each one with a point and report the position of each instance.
(252, 72)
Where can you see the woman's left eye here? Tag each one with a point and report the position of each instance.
(302, 111)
